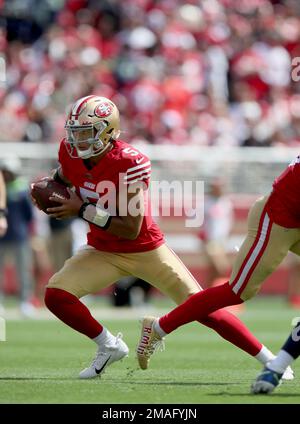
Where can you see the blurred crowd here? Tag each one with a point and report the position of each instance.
(210, 72)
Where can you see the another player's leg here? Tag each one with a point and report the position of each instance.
(271, 376)
(250, 268)
(78, 277)
(264, 248)
(168, 274)
(223, 322)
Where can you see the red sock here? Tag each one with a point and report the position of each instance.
(72, 312)
(203, 307)
(233, 330)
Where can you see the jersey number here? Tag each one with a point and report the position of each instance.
(130, 151)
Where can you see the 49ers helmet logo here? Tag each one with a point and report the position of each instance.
(103, 110)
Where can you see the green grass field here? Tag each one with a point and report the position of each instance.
(41, 359)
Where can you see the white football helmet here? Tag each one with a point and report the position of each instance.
(92, 124)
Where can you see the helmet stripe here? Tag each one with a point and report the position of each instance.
(82, 101)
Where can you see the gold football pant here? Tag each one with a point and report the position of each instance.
(264, 248)
(91, 270)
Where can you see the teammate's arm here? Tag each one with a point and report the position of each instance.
(3, 222)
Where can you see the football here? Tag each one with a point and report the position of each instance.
(43, 189)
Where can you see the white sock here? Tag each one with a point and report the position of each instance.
(265, 355)
(158, 329)
(281, 362)
(104, 338)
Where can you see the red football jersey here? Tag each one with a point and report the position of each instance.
(284, 202)
(123, 165)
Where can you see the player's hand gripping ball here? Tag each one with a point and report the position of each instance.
(42, 190)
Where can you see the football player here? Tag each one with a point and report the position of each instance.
(271, 376)
(110, 182)
(273, 231)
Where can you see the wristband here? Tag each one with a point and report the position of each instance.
(94, 215)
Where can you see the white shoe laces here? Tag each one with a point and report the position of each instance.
(156, 344)
(108, 347)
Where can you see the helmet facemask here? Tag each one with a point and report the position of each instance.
(86, 139)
